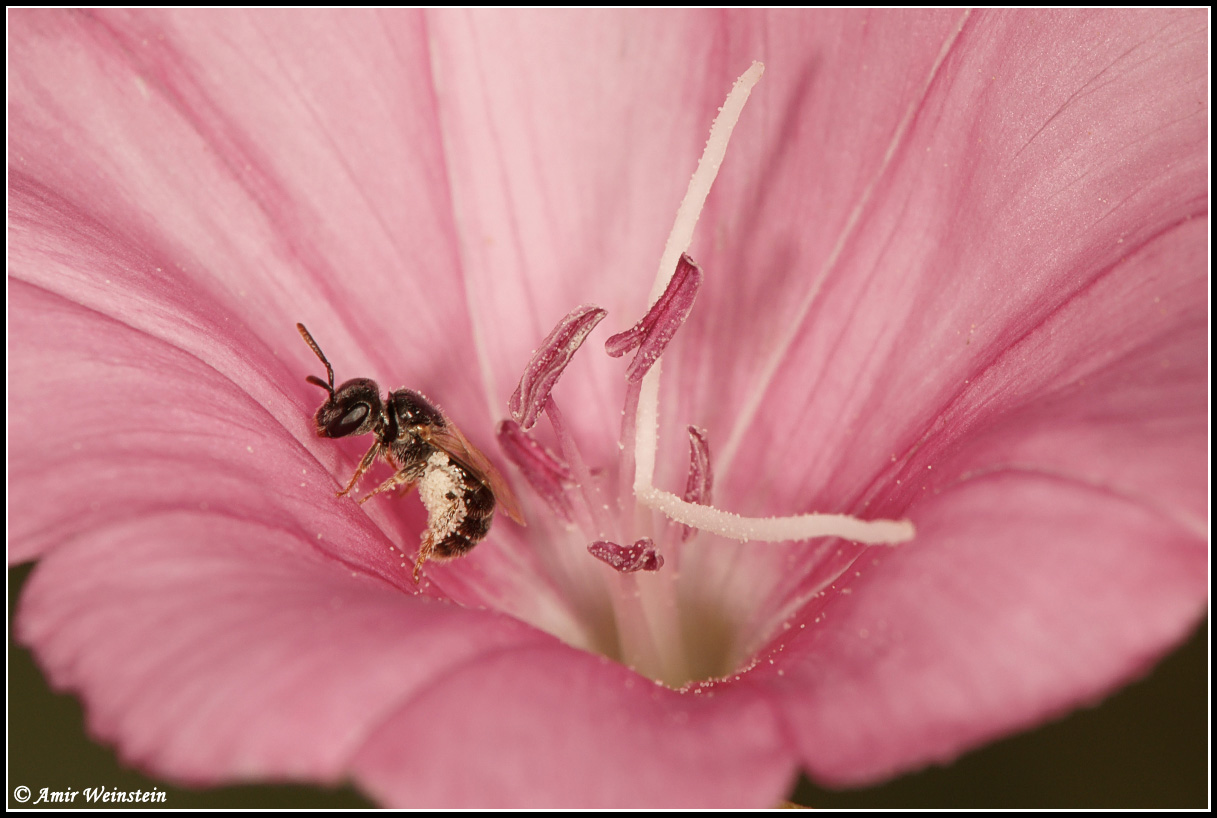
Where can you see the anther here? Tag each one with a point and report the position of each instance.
(700, 483)
(626, 559)
(547, 363)
(654, 331)
(547, 475)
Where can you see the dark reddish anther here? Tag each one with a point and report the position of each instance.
(547, 363)
(652, 334)
(547, 475)
(701, 480)
(641, 556)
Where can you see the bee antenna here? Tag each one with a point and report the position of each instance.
(308, 339)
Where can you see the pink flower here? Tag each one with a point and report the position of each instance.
(954, 271)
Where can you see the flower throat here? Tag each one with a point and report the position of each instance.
(612, 510)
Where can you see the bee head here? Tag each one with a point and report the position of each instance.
(352, 409)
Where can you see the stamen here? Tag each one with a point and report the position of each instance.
(547, 475)
(642, 406)
(703, 177)
(778, 529)
(705, 517)
(654, 331)
(626, 559)
(700, 483)
(547, 363)
(678, 242)
(596, 518)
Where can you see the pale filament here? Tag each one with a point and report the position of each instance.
(646, 425)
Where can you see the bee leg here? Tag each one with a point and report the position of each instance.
(364, 465)
(424, 551)
(405, 477)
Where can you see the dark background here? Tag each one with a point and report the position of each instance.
(1145, 747)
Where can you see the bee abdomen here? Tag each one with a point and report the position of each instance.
(460, 507)
(479, 512)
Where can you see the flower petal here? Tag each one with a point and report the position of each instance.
(208, 200)
(967, 284)
(965, 280)
(212, 649)
(994, 620)
(607, 738)
(999, 301)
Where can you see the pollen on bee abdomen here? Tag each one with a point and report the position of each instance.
(442, 490)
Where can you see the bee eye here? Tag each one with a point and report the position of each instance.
(350, 421)
(353, 409)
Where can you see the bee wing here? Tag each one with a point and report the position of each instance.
(449, 439)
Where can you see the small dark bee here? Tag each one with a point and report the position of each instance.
(457, 484)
